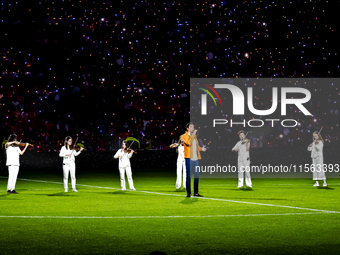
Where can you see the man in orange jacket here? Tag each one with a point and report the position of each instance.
(192, 155)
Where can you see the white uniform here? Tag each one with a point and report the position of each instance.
(124, 167)
(69, 166)
(12, 161)
(181, 170)
(317, 160)
(243, 163)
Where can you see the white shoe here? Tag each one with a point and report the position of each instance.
(324, 184)
(316, 184)
(123, 189)
(74, 190)
(66, 190)
(240, 187)
(133, 189)
(249, 186)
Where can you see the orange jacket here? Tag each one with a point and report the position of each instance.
(187, 146)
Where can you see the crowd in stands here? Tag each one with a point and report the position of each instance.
(104, 71)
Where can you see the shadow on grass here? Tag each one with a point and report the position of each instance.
(59, 194)
(119, 192)
(179, 190)
(169, 191)
(190, 200)
(9, 197)
(245, 189)
(21, 190)
(326, 188)
(231, 189)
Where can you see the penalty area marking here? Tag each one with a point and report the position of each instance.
(203, 198)
(160, 216)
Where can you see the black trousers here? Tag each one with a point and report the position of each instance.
(192, 166)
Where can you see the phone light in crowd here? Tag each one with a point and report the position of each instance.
(246, 55)
(315, 120)
(281, 135)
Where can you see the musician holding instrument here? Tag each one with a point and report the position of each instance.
(317, 167)
(12, 161)
(181, 169)
(68, 152)
(124, 154)
(243, 160)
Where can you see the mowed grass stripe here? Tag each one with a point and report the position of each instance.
(160, 217)
(204, 198)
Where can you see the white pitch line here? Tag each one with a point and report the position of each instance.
(245, 202)
(31, 189)
(205, 198)
(159, 217)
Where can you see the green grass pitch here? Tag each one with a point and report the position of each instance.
(278, 216)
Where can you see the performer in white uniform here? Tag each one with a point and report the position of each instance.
(243, 161)
(124, 166)
(69, 165)
(181, 170)
(12, 161)
(317, 159)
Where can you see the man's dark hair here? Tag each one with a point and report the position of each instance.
(187, 125)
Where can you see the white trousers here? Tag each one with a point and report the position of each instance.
(122, 171)
(69, 168)
(12, 177)
(243, 170)
(181, 171)
(318, 173)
